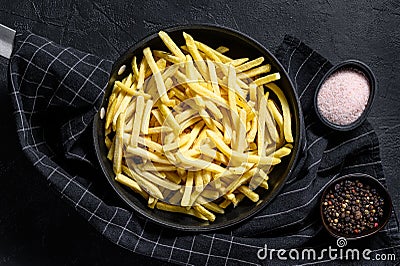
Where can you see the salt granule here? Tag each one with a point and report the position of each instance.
(343, 96)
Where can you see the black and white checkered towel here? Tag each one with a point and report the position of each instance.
(56, 92)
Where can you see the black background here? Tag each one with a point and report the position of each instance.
(38, 228)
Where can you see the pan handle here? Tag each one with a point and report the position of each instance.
(7, 36)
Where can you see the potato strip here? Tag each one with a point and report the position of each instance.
(146, 155)
(255, 71)
(267, 79)
(162, 91)
(170, 58)
(123, 179)
(149, 187)
(262, 160)
(132, 92)
(196, 55)
(250, 64)
(146, 117)
(118, 148)
(156, 180)
(200, 164)
(171, 45)
(287, 121)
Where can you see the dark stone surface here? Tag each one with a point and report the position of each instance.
(38, 228)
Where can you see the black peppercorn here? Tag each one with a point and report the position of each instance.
(352, 207)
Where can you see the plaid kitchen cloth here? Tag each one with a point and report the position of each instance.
(56, 91)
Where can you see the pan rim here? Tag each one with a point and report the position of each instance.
(292, 164)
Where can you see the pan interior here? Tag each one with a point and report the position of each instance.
(240, 46)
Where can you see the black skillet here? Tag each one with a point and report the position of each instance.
(240, 46)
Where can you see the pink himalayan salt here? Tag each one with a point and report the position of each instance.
(343, 96)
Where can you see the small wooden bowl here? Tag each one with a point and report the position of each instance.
(363, 68)
(366, 180)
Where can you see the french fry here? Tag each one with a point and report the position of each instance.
(209, 215)
(144, 154)
(142, 73)
(152, 202)
(173, 176)
(179, 94)
(118, 148)
(262, 109)
(238, 62)
(135, 68)
(151, 145)
(250, 64)
(151, 177)
(129, 112)
(162, 91)
(209, 52)
(158, 130)
(200, 164)
(255, 72)
(132, 92)
(110, 154)
(171, 45)
(254, 197)
(108, 142)
(210, 194)
(161, 64)
(122, 108)
(146, 185)
(187, 189)
(264, 184)
(137, 121)
(267, 79)
(287, 121)
(242, 180)
(196, 55)
(160, 168)
(123, 179)
(158, 116)
(169, 119)
(206, 49)
(213, 77)
(198, 181)
(199, 89)
(113, 108)
(188, 123)
(206, 175)
(170, 58)
(146, 117)
(262, 160)
(238, 198)
(241, 136)
(129, 82)
(284, 151)
(176, 144)
(222, 49)
(275, 113)
(193, 135)
(270, 123)
(225, 204)
(232, 94)
(253, 131)
(211, 153)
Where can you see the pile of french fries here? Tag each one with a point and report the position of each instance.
(193, 131)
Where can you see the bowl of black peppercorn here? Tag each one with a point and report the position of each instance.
(355, 206)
